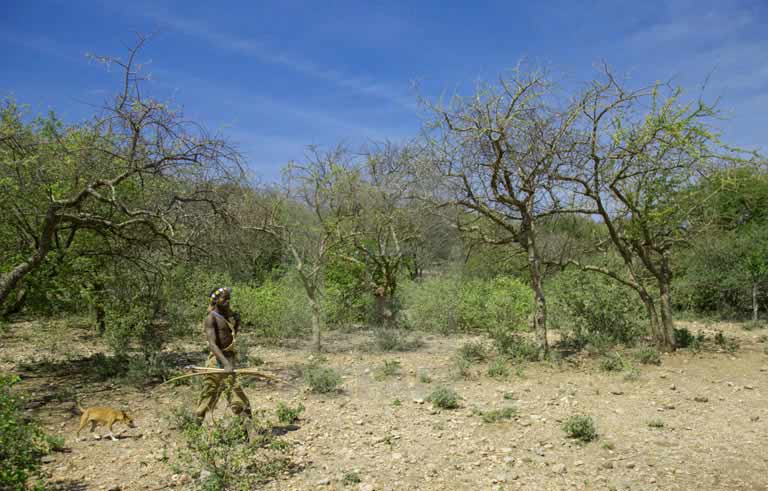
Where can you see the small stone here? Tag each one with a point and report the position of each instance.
(631, 465)
(323, 482)
(701, 399)
(607, 465)
(652, 480)
(749, 387)
(578, 463)
(397, 456)
(419, 401)
(764, 369)
(559, 469)
(506, 450)
(204, 474)
(114, 487)
(754, 418)
(673, 387)
(359, 422)
(617, 392)
(365, 487)
(46, 459)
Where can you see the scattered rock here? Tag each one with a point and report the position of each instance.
(559, 469)
(323, 482)
(607, 465)
(578, 463)
(701, 399)
(419, 401)
(749, 387)
(754, 418)
(365, 487)
(46, 459)
(673, 387)
(114, 487)
(631, 465)
(617, 392)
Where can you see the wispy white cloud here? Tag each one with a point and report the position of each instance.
(269, 54)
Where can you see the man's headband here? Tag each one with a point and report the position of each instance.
(218, 292)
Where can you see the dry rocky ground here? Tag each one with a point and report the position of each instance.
(712, 405)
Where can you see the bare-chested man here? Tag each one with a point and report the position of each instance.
(221, 326)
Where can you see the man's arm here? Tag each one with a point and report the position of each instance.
(210, 334)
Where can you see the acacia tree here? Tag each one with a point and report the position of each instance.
(382, 227)
(637, 156)
(138, 173)
(304, 216)
(498, 150)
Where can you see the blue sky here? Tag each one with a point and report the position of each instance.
(277, 76)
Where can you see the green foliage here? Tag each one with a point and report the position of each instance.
(502, 304)
(394, 340)
(515, 346)
(236, 453)
(276, 309)
(287, 414)
(729, 344)
(592, 309)
(473, 351)
(351, 478)
(424, 378)
(444, 398)
(389, 368)
(647, 355)
(613, 362)
(498, 369)
(462, 368)
(656, 423)
(432, 304)
(22, 443)
(322, 380)
(347, 298)
(580, 427)
(496, 415)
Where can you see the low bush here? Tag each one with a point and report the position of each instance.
(287, 414)
(473, 351)
(612, 362)
(22, 443)
(389, 368)
(498, 369)
(232, 453)
(444, 398)
(322, 380)
(496, 415)
(394, 340)
(515, 346)
(648, 355)
(593, 309)
(431, 304)
(580, 427)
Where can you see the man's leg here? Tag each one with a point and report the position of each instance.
(209, 395)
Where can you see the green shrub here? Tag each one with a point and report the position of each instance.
(496, 415)
(648, 355)
(287, 414)
(580, 427)
(462, 368)
(235, 453)
(424, 378)
(444, 398)
(351, 478)
(431, 304)
(656, 423)
(501, 304)
(276, 309)
(389, 368)
(22, 443)
(394, 340)
(498, 369)
(322, 380)
(593, 309)
(612, 363)
(516, 347)
(473, 351)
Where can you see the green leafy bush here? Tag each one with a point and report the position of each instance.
(592, 309)
(389, 368)
(648, 355)
(496, 415)
(393, 339)
(276, 309)
(516, 346)
(287, 414)
(233, 453)
(580, 427)
(322, 380)
(498, 369)
(22, 443)
(612, 362)
(501, 304)
(431, 304)
(473, 351)
(444, 398)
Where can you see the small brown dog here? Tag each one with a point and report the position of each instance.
(103, 416)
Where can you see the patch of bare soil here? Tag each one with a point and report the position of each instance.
(379, 433)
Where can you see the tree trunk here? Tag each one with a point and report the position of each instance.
(537, 284)
(317, 320)
(9, 280)
(17, 304)
(666, 328)
(754, 302)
